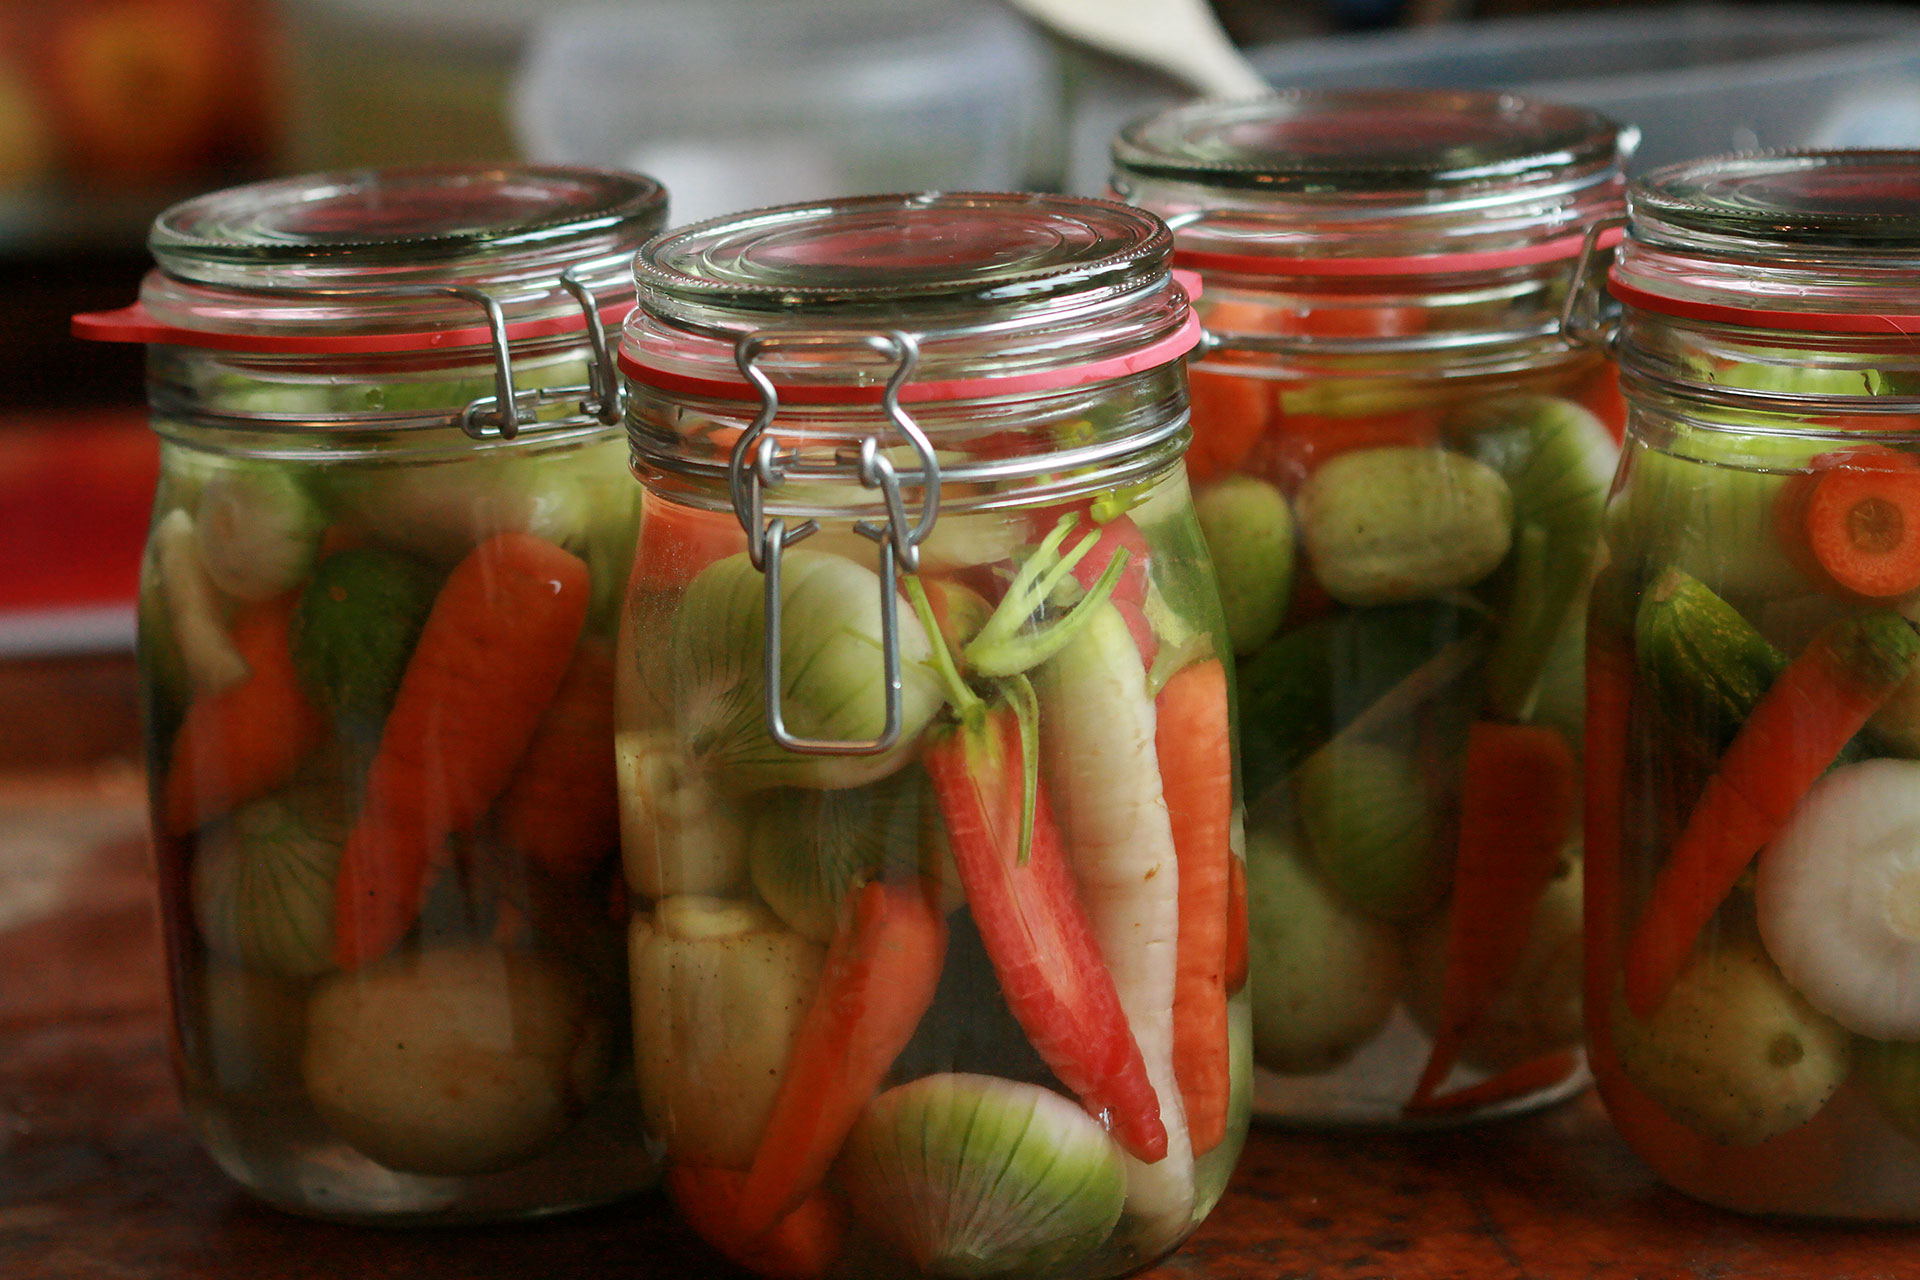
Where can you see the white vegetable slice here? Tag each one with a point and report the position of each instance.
(1838, 894)
(194, 608)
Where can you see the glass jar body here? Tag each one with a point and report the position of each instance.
(1413, 658)
(1745, 1019)
(376, 660)
(861, 1010)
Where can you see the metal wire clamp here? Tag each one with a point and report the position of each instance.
(757, 464)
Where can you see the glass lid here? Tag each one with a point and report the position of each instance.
(906, 253)
(1315, 140)
(1851, 202)
(395, 225)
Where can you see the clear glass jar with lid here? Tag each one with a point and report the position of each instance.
(924, 743)
(1400, 463)
(1753, 833)
(388, 550)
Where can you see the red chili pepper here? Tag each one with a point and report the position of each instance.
(1035, 929)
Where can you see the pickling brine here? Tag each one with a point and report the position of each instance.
(377, 626)
(937, 962)
(1754, 679)
(1400, 466)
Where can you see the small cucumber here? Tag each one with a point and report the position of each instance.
(1703, 664)
(354, 630)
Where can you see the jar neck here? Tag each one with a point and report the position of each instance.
(1309, 287)
(994, 452)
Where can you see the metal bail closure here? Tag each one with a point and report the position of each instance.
(1583, 322)
(757, 464)
(506, 410)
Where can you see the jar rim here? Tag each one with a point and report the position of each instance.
(913, 250)
(1848, 203)
(388, 221)
(1318, 142)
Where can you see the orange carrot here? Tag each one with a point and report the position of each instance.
(678, 541)
(1196, 773)
(1863, 524)
(562, 808)
(1797, 530)
(489, 659)
(242, 741)
(801, 1246)
(1230, 413)
(880, 976)
(1601, 396)
(1516, 807)
(1516, 1081)
(1815, 706)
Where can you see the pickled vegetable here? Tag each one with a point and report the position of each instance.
(263, 881)
(1372, 827)
(1324, 975)
(1733, 1051)
(1838, 898)
(832, 687)
(970, 1176)
(1250, 534)
(353, 631)
(719, 990)
(454, 1061)
(1385, 526)
(258, 530)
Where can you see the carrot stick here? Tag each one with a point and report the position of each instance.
(1196, 775)
(1516, 1081)
(487, 664)
(801, 1246)
(880, 976)
(1036, 931)
(246, 739)
(1516, 806)
(1794, 733)
(562, 808)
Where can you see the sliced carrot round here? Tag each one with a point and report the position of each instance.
(1863, 526)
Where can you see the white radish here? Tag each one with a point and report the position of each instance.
(1097, 738)
(1838, 898)
(194, 607)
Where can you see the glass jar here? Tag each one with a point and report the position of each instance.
(1400, 465)
(1753, 798)
(924, 743)
(377, 616)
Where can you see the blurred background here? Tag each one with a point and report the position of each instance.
(111, 109)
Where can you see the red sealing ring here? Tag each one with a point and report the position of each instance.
(1422, 264)
(1761, 317)
(1151, 356)
(136, 324)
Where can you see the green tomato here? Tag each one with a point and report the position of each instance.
(1249, 531)
(1323, 976)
